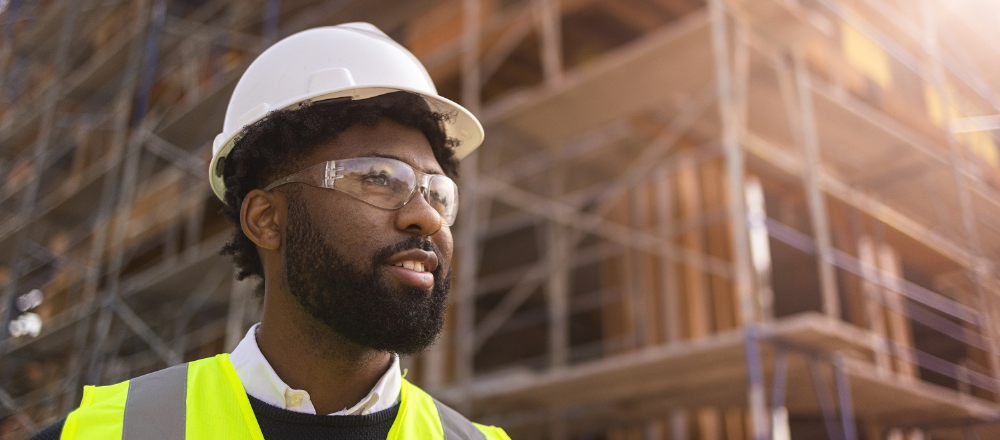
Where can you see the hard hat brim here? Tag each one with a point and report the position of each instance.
(461, 124)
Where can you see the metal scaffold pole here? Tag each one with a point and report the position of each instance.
(957, 167)
(110, 302)
(464, 294)
(731, 100)
(701, 224)
(844, 399)
(810, 175)
(7, 48)
(755, 377)
(42, 149)
(271, 17)
(27, 209)
(79, 362)
(729, 111)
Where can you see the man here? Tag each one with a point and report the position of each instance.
(336, 163)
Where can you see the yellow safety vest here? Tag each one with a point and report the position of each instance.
(205, 400)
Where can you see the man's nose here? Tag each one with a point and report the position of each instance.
(418, 217)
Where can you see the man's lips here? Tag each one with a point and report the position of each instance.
(414, 267)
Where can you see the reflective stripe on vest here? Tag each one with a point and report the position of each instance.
(206, 400)
(455, 426)
(156, 406)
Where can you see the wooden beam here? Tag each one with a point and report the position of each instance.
(557, 285)
(709, 424)
(846, 231)
(670, 311)
(868, 204)
(696, 300)
(679, 426)
(634, 14)
(714, 184)
(817, 202)
(900, 330)
(644, 273)
(551, 46)
(874, 310)
(760, 248)
(628, 316)
(735, 424)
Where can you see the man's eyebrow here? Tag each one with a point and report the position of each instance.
(390, 156)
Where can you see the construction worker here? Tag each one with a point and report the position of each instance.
(336, 164)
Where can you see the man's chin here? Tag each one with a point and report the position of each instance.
(404, 340)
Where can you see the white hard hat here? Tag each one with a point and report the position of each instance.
(355, 60)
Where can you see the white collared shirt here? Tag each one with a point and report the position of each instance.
(261, 382)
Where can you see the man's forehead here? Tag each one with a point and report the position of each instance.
(386, 139)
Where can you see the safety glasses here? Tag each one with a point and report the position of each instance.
(381, 182)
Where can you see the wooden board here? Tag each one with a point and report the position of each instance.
(664, 66)
(712, 372)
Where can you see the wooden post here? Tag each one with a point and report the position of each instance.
(709, 424)
(734, 422)
(240, 295)
(814, 194)
(899, 324)
(558, 427)
(557, 284)
(549, 24)
(433, 362)
(854, 295)
(629, 314)
(874, 310)
(616, 286)
(643, 273)
(760, 248)
(464, 292)
(617, 433)
(670, 312)
(724, 301)
(874, 430)
(655, 430)
(679, 428)
(695, 282)
(780, 429)
(895, 434)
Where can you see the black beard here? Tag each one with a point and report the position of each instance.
(360, 304)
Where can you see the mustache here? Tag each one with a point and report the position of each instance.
(424, 244)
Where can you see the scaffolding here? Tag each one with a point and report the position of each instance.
(691, 219)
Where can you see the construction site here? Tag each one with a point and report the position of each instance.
(690, 219)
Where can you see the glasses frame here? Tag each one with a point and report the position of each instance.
(325, 175)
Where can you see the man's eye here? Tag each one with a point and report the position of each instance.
(438, 197)
(380, 179)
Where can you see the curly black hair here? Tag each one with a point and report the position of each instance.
(268, 149)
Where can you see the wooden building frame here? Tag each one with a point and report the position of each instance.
(714, 219)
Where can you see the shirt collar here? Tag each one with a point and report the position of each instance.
(261, 382)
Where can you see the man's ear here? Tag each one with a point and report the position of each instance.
(262, 218)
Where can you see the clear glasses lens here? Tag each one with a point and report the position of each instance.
(380, 182)
(389, 184)
(442, 195)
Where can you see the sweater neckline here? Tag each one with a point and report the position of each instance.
(262, 409)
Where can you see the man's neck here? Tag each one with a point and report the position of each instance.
(336, 373)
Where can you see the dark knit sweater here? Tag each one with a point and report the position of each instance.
(281, 424)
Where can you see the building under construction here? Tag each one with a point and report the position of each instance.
(721, 220)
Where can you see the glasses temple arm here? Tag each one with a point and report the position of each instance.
(314, 175)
